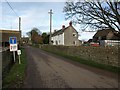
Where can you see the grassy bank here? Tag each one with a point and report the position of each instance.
(87, 62)
(14, 78)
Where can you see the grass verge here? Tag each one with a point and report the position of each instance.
(87, 62)
(14, 78)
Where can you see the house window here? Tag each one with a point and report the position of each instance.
(52, 41)
(56, 43)
(74, 42)
(74, 34)
(99, 38)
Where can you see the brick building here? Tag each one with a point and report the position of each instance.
(5, 34)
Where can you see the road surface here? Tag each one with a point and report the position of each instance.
(45, 70)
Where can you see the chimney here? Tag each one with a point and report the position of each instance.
(70, 24)
(63, 26)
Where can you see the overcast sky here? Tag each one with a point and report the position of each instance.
(35, 14)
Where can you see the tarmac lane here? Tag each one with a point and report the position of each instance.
(46, 70)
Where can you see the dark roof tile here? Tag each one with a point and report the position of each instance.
(103, 32)
(59, 31)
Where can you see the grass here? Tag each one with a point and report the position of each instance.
(87, 62)
(14, 78)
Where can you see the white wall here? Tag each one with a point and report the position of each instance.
(59, 39)
(109, 42)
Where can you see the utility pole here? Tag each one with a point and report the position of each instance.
(20, 29)
(19, 23)
(50, 25)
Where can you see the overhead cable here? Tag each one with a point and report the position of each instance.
(12, 8)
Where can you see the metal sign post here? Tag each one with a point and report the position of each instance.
(19, 59)
(14, 55)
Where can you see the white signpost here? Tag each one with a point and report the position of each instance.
(13, 45)
(19, 53)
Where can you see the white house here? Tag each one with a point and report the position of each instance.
(67, 36)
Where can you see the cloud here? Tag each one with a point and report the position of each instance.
(32, 18)
(58, 24)
(35, 0)
(0, 14)
(9, 22)
(36, 15)
(86, 35)
(39, 17)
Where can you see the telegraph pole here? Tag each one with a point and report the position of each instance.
(19, 23)
(20, 29)
(50, 25)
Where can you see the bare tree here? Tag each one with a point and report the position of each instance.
(94, 14)
(35, 35)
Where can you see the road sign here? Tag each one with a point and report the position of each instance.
(13, 47)
(13, 40)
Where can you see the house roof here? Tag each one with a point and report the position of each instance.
(63, 29)
(59, 31)
(9, 31)
(90, 40)
(103, 32)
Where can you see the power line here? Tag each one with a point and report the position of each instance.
(12, 8)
